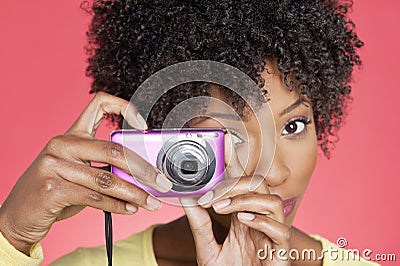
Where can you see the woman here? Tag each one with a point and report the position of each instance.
(300, 54)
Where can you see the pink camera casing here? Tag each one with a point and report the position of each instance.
(148, 144)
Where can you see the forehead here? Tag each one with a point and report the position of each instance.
(278, 93)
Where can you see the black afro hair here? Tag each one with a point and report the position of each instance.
(313, 41)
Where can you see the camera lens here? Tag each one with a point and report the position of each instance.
(186, 162)
(189, 164)
(189, 167)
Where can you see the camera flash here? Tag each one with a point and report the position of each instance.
(208, 135)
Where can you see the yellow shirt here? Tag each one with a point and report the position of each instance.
(10, 256)
(136, 250)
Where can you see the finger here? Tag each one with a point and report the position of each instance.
(279, 233)
(230, 188)
(269, 204)
(201, 226)
(105, 104)
(106, 183)
(69, 212)
(64, 194)
(94, 150)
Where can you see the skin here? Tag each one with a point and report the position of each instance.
(61, 183)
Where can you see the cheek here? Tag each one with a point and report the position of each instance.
(249, 154)
(301, 159)
(300, 156)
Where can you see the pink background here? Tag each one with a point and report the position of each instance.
(43, 90)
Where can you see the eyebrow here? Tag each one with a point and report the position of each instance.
(223, 116)
(293, 106)
(234, 117)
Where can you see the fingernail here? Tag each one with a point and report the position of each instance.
(206, 198)
(222, 204)
(153, 203)
(131, 208)
(163, 183)
(141, 121)
(245, 216)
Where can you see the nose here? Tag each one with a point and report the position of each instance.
(278, 172)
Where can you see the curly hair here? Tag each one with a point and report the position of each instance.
(313, 41)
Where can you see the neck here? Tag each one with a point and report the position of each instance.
(174, 241)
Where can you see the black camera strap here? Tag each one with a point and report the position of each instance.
(109, 236)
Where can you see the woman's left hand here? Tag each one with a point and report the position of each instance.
(257, 235)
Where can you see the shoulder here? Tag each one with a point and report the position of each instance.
(334, 255)
(136, 249)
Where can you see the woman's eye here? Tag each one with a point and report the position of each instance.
(235, 137)
(295, 127)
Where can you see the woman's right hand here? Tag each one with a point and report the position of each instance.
(61, 181)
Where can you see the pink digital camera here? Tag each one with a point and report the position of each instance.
(192, 159)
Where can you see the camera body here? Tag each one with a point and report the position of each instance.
(192, 159)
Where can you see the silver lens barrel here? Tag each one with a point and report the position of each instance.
(189, 164)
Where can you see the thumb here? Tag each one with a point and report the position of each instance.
(207, 247)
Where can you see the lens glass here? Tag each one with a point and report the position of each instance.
(187, 162)
(189, 167)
